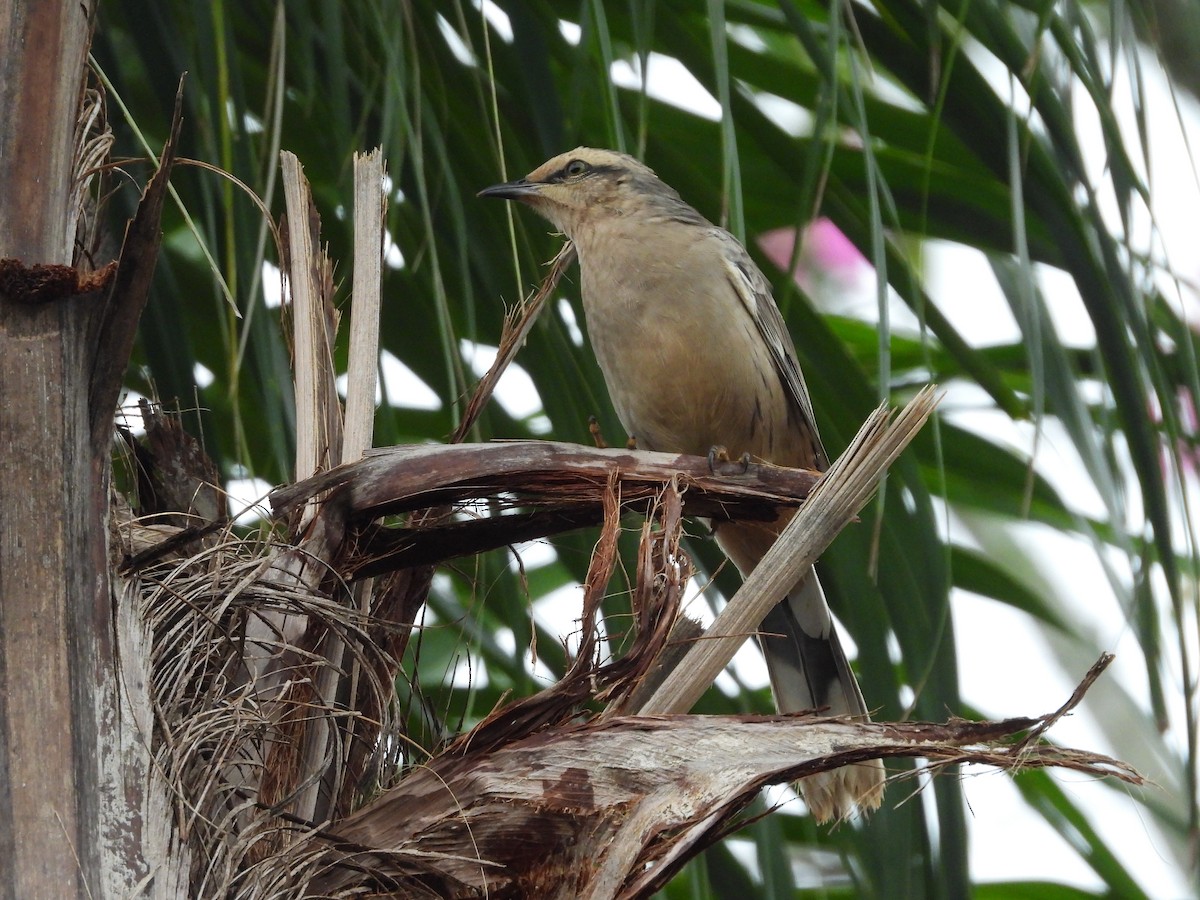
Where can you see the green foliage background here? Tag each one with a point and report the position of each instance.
(908, 138)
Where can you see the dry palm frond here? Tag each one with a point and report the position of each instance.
(216, 733)
(93, 141)
(611, 808)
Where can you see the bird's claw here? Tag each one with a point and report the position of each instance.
(721, 463)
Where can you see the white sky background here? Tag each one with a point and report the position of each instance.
(1006, 666)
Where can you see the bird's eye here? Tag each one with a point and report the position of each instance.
(576, 167)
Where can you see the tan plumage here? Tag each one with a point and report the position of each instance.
(695, 355)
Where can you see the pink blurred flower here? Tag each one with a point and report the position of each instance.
(1187, 453)
(827, 257)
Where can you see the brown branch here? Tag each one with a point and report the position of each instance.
(403, 479)
(557, 486)
(116, 327)
(377, 549)
(1073, 701)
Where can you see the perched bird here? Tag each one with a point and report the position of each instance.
(696, 355)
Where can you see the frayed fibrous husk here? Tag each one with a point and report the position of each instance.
(222, 738)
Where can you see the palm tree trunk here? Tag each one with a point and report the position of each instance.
(61, 805)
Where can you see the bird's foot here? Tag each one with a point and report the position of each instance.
(721, 463)
(631, 443)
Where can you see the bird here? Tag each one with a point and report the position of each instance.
(696, 355)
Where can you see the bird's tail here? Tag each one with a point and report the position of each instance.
(809, 671)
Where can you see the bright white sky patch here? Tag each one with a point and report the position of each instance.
(129, 412)
(566, 313)
(506, 640)
(455, 43)
(533, 555)
(392, 257)
(791, 117)
(961, 283)
(571, 32)
(746, 36)
(247, 498)
(272, 285)
(515, 391)
(668, 81)
(404, 387)
(202, 375)
(497, 18)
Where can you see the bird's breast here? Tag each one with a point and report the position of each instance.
(685, 365)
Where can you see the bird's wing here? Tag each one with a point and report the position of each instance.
(754, 291)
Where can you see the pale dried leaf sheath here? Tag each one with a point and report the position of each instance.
(362, 375)
(318, 413)
(362, 370)
(300, 754)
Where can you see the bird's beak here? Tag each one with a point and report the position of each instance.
(512, 190)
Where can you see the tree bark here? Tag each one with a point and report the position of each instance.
(57, 684)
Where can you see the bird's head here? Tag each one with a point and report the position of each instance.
(579, 187)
